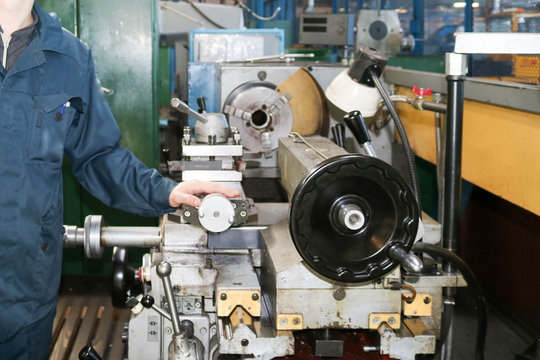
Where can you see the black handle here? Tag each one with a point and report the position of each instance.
(338, 131)
(357, 125)
(88, 353)
(201, 101)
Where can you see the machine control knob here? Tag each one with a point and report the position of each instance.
(147, 301)
(216, 213)
(421, 92)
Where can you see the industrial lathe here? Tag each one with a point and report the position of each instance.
(236, 278)
(333, 272)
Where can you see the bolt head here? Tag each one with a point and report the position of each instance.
(243, 213)
(255, 296)
(296, 321)
(187, 213)
(427, 300)
(392, 320)
(223, 296)
(244, 342)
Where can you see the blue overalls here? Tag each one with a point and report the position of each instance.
(51, 103)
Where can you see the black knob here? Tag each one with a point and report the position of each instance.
(201, 101)
(357, 125)
(147, 301)
(338, 131)
(88, 353)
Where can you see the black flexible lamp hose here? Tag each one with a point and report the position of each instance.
(474, 285)
(402, 135)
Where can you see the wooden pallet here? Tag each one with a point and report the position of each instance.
(82, 320)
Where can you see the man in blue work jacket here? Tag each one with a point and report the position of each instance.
(51, 103)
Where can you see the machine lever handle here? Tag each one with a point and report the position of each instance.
(89, 353)
(409, 261)
(357, 125)
(201, 101)
(184, 108)
(164, 270)
(338, 131)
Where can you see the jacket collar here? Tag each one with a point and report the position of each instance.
(51, 35)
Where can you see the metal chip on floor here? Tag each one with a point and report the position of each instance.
(82, 320)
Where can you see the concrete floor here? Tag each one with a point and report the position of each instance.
(504, 337)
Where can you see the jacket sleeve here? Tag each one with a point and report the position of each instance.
(107, 170)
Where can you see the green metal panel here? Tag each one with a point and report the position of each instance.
(164, 76)
(122, 35)
(422, 63)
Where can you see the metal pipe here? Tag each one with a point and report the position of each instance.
(433, 106)
(130, 236)
(452, 166)
(456, 68)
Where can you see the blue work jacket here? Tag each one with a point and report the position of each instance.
(51, 104)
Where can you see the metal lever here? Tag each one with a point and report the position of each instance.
(184, 108)
(409, 261)
(356, 123)
(88, 353)
(182, 346)
(164, 270)
(338, 131)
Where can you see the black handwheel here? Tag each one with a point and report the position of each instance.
(347, 212)
(123, 278)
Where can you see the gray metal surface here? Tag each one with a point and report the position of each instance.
(326, 29)
(296, 158)
(379, 29)
(290, 287)
(511, 95)
(212, 150)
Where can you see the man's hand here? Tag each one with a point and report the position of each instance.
(184, 193)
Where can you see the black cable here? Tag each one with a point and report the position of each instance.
(402, 135)
(472, 282)
(200, 12)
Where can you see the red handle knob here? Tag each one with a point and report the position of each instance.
(421, 91)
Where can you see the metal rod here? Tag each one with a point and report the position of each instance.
(135, 236)
(452, 166)
(164, 271)
(294, 135)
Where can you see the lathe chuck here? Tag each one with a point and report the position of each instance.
(347, 212)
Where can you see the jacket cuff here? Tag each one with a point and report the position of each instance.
(162, 195)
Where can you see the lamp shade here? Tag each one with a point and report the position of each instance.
(348, 95)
